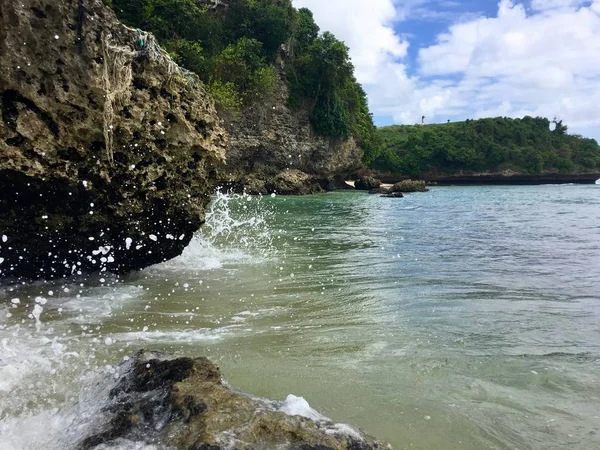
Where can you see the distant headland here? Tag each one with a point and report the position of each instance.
(486, 151)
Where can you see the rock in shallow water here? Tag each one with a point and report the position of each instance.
(182, 403)
(367, 184)
(410, 186)
(107, 148)
(393, 195)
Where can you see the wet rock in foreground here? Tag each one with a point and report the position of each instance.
(183, 404)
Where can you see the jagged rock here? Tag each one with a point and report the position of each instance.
(183, 404)
(393, 195)
(380, 190)
(367, 183)
(293, 182)
(107, 148)
(410, 186)
(286, 182)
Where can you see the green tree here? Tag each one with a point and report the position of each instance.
(131, 12)
(523, 145)
(190, 55)
(307, 31)
(267, 21)
(242, 65)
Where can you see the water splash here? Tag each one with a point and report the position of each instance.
(240, 221)
(52, 337)
(238, 229)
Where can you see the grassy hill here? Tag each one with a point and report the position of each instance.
(493, 145)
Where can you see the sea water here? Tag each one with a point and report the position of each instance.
(462, 318)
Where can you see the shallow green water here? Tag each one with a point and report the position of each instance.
(464, 318)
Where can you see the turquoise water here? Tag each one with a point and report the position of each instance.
(462, 318)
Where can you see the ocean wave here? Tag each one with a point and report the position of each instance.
(179, 336)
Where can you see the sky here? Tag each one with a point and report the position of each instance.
(466, 59)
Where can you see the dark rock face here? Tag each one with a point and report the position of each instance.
(107, 148)
(287, 182)
(183, 404)
(381, 190)
(410, 186)
(367, 183)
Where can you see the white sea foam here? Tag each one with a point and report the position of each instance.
(236, 231)
(298, 406)
(97, 303)
(199, 255)
(262, 312)
(60, 428)
(30, 354)
(198, 335)
(43, 431)
(126, 444)
(43, 364)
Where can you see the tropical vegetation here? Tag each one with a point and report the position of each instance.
(529, 145)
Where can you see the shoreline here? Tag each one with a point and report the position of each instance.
(491, 180)
(505, 180)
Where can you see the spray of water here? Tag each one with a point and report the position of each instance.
(238, 229)
(52, 341)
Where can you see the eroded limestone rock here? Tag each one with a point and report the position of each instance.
(410, 186)
(367, 183)
(107, 148)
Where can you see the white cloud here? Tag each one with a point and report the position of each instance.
(365, 26)
(542, 5)
(538, 57)
(525, 63)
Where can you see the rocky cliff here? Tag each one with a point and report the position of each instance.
(107, 148)
(273, 148)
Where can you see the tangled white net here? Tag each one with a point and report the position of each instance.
(117, 77)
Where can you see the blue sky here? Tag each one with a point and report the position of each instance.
(458, 59)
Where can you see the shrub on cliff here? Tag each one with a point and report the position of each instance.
(322, 76)
(229, 51)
